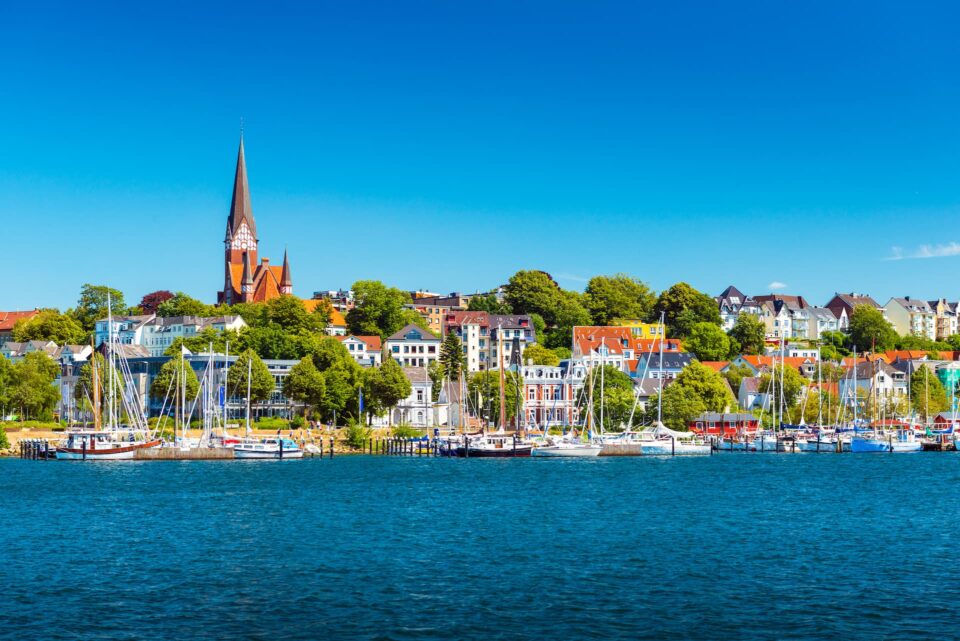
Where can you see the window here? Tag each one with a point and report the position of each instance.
(396, 349)
(419, 395)
(431, 350)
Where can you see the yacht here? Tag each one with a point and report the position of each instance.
(267, 448)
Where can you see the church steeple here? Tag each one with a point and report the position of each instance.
(286, 284)
(240, 209)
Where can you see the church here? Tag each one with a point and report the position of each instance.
(245, 279)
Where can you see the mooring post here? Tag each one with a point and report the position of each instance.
(83, 448)
(331, 447)
(673, 446)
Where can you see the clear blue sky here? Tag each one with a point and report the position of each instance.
(446, 145)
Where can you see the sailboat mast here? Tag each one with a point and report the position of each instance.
(503, 403)
(95, 371)
(603, 360)
(110, 400)
(249, 371)
(663, 334)
(226, 371)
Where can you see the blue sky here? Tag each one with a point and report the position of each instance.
(446, 145)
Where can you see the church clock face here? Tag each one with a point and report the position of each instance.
(244, 239)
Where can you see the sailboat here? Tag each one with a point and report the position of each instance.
(876, 439)
(660, 440)
(113, 441)
(570, 445)
(272, 448)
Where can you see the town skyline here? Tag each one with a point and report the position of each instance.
(594, 160)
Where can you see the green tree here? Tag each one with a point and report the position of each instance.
(540, 355)
(437, 376)
(869, 330)
(261, 380)
(452, 357)
(174, 373)
(708, 342)
(272, 342)
(253, 314)
(32, 389)
(680, 406)
(182, 305)
(789, 382)
(708, 385)
(385, 386)
(568, 313)
(620, 296)
(615, 390)
(50, 325)
(305, 384)
(683, 307)
(533, 292)
(485, 386)
(749, 332)
(927, 394)
(289, 314)
(378, 309)
(539, 327)
(735, 375)
(4, 442)
(92, 305)
(488, 303)
(6, 383)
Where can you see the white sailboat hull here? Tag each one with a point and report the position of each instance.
(576, 451)
(674, 449)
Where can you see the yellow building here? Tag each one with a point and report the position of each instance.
(639, 329)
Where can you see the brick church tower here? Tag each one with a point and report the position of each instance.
(245, 280)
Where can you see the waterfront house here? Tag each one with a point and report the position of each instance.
(727, 424)
(648, 364)
(417, 409)
(550, 394)
(414, 346)
(127, 330)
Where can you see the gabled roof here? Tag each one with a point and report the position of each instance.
(853, 299)
(405, 334)
(914, 305)
(416, 374)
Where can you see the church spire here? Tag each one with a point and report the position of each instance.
(240, 209)
(286, 285)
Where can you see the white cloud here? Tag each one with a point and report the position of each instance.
(926, 251)
(777, 285)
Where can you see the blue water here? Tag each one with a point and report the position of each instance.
(734, 546)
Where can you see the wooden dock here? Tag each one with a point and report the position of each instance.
(177, 454)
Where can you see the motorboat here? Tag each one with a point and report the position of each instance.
(660, 440)
(566, 447)
(273, 448)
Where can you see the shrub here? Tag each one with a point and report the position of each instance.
(357, 435)
(271, 423)
(4, 442)
(406, 431)
(298, 422)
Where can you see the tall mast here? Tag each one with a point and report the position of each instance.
(603, 360)
(663, 335)
(856, 397)
(503, 403)
(95, 371)
(249, 371)
(226, 370)
(110, 400)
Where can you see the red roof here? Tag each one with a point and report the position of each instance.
(759, 361)
(9, 319)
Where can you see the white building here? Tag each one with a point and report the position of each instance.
(417, 410)
(127, 330)
(158, 334)
(482, 333)
(414, 346)
(366, 350)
